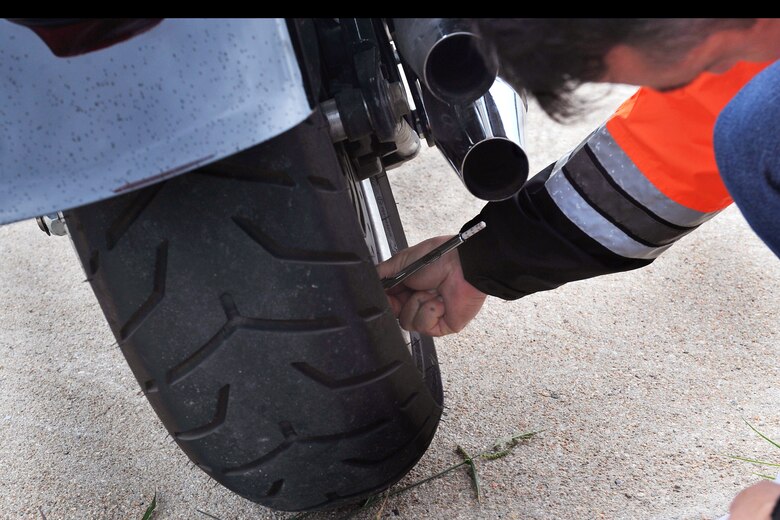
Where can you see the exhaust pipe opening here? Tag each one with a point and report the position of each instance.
(456, 71)
(483, 140)
(495, 169)
(445, 55)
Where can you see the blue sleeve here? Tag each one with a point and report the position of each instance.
(747, 150)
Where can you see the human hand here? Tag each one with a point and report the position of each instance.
(437, 300)
(755, 502)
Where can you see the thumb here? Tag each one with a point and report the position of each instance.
(394, 264)
(406, 256)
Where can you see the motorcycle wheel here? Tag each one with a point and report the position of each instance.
(245, 299)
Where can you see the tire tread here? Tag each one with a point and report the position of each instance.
(267, 391)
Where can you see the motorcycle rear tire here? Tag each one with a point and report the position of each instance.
(245, 301)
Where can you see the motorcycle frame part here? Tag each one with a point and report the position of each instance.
(405, 139)
(445, 54)
(348, 115)
(184, 93)
(350, 123)
(484, 141)
(419, 119)
(407, 144)
(368, 107)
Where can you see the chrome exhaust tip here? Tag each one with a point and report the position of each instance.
(445, 55)
(484, 141)
(494, 169)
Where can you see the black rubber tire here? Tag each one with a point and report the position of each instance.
(245, 301)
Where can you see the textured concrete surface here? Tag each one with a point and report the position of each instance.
(639, 380)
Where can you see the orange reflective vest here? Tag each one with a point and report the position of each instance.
(649, 171)
(677, 156)
(622, 197)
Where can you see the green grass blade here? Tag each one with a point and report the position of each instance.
(768, 477)
(469, 460)
(503, 447)
(500, 448)
(776, 445)
(150, 509)
(517, 437)
(382, 507)
(754, 461)
(428, 479)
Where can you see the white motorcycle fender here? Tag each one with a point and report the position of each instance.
(185, 93)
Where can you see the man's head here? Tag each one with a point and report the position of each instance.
(550, 57)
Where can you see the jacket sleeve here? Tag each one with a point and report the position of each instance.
(623, 196)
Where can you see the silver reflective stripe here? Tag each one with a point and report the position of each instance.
(592, 223)
(595, 186)
(626, 174)
(563, 160)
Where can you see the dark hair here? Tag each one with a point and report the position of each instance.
(550, 57)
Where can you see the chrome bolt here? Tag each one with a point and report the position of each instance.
(52, 224)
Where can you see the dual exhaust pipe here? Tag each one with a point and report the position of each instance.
(475, 118)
